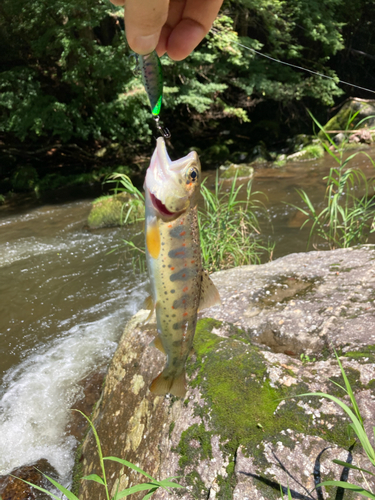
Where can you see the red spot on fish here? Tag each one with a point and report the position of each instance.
(169, 225)
(181, 223)
(172, 268)
(185, 289)
(180, 253)
(183, 275)
(185, 314)
(183, 245)
(172, 307)
(183, 301)
(183, 233)
(192, 261)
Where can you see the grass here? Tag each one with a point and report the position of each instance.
(123, 184)
(229, 227)
(348, 217)
(150, 486)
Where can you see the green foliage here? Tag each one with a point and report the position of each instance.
(66, 74)
(229, 228)
(348, 216)
(151, 485)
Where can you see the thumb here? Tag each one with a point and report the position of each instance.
(144, 20)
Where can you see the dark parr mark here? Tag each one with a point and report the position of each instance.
(183, 275)
(180, 253)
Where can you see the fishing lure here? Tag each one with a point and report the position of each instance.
(152, 79)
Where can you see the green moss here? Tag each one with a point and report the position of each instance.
(194, 445)
(198, 488)
(354, 378)
(115, 210)
(311, 152)
(243, 408)
(171, 427)
(241, 170)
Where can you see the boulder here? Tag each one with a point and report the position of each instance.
(340, 122)
(116, 210)
(243, 172)
(242, 430)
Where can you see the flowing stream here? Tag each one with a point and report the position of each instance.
(64, 301)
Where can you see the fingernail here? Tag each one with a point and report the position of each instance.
(145, 44)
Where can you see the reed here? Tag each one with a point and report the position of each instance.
(229, 227)
(348, 216)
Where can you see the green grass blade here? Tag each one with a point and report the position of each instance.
(165, 483)
(135, 489)
(94, 477)
(348, 486)
(131, 466)
(149, 494)
(39, 488)
(350, 466)
(69, 495)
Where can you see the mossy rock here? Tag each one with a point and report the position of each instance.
(310, 152)
(365, 109)
(116, 210)
(243, 171)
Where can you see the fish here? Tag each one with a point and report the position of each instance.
(179, 285)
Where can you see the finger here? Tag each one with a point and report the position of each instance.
(143, 23)
(176, 9)
(196, 21)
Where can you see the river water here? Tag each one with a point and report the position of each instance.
(64, 301)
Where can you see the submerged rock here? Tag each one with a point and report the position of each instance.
(116, 210)
(241, 432)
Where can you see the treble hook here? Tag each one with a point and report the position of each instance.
(164, 131)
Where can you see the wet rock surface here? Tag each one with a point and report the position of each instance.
(12, 488)
(241, 432)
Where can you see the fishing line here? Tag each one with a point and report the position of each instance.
(216, 32)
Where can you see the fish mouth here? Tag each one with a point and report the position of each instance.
(160, 207)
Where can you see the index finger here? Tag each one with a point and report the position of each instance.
(144, 20)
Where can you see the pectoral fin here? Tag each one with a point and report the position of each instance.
(209, 293)
(149, 305)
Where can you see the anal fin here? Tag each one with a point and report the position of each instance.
(209, 293)
(158, 344)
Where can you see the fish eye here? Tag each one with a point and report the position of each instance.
(192, 175)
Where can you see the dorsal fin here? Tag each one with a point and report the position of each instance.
(209, 293)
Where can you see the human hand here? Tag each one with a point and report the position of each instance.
(172, 26)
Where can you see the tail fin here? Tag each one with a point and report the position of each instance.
(173, 384)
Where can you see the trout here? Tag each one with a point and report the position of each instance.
(180, 287)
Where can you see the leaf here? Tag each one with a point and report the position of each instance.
(94, 477)
(131, 466)
(168, 484)
(135, 489)
(348, 486)
(350, 466)
(69, 495)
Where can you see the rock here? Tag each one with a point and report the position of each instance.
(241, 431)
(310, 152)
(12, 488)
(339, 122)
(243, 172)
(109, 211)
